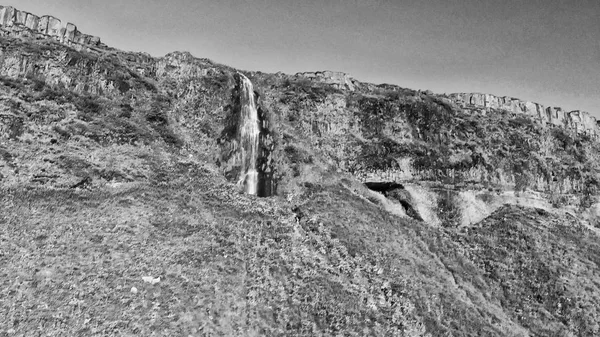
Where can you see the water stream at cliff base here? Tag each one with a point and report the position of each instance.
(249, 132)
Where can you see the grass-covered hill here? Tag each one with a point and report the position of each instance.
(117, 216)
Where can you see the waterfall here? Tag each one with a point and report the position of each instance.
(249, 132)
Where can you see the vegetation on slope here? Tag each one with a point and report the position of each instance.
(114, 220)
(228, 264)
(543, 269)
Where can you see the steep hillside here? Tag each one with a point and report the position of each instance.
(386, 211)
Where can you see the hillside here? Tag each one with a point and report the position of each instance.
(379, 210)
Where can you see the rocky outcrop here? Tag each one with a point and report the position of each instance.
(14, 22)
(336, 79)
(182, 65)
(579, 121)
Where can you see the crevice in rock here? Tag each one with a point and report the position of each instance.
(396, 192)
(383, 187)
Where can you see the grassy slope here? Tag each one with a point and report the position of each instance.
(518, 270)
(410, 251)
(230, 264)
(541, 268)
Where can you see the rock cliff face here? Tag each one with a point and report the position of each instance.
(458, 164)
(375, 133)
(79, 71)
(338, 80)
(14, 22)
(578, 121)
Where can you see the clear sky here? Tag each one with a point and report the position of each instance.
(547, 51)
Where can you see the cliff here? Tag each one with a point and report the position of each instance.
(577, 121)
(14, 22)
(338, 80)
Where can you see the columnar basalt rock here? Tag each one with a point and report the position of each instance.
(337, 79)
(14, 22)
(578, 121)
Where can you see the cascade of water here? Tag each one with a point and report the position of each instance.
(249, 131)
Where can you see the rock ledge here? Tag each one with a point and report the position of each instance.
(14, 22)
(579, 121)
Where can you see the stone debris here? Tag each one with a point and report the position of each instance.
(150, 279)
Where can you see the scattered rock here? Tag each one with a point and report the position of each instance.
(150, 279)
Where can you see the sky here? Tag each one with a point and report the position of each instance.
(546, 51)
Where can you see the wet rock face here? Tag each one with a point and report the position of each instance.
(579, 121)
(266, 167)
(231, 158)
(19, 23)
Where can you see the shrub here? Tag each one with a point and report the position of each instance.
(64, 134)
(221, 81)
(122, 85)
(297, 155)
(157, 117)
(520, 122)
(16, 127)
(126, 110)
(88, 105)
(38, 84)
(447, 209)
(564, 139)
(11, 83)
(159, 121)
(353, 100)
(168, 135)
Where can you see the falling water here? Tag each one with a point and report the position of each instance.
(249, 136)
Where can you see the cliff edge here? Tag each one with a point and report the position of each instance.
(578, 121)
(14, 22)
